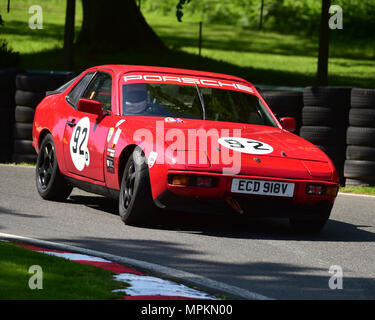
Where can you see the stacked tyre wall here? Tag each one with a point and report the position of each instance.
(360, 151)
(339, 120)
(325, 120)
(31, 88)
(285, 104)
(7, 105)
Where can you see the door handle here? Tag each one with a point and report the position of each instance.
(71, 123)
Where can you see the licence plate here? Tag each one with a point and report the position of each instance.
(261, 187)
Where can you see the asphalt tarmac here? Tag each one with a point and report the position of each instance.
(263, 256)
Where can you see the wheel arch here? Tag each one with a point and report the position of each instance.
(123, 158)
(42, 135)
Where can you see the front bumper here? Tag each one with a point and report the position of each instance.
(221, 200)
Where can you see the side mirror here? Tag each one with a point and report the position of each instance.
(90, 106)
(288, 123)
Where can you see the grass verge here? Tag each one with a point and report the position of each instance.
(359, 190)
(21, 164)
(62, 279)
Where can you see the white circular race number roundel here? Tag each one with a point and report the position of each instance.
(246, 145)
(78, 144)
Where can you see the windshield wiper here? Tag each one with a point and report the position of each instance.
(201, 100)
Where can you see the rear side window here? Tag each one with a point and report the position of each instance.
(100, 89)
(74, 95)
(65, 86)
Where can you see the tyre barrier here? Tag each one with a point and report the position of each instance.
(30, 90)
(324, 121)
(331, 97)
(7, 105)
(339, 120)
(285, 104)
(359, 168)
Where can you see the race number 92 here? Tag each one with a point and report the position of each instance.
(78, 144)
(246, 145)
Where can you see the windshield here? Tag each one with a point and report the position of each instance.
(184, 101)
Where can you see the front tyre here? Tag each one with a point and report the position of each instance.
(314, 220)
(50, 183)
(310, 226)
(136, 206)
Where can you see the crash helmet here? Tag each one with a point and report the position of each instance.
(135, 98)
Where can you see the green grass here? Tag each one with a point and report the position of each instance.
(25, 40)
(359, 190)
(62, 279)
(273, 58)
(260, 57)
(21, 164)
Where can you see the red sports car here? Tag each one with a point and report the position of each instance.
(163, 138)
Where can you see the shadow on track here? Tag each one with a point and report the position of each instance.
(235, 226)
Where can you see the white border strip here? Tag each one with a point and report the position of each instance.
(356, 195)
(175, 274)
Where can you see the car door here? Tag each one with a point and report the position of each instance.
(85, 135)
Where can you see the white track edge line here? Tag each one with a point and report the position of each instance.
(171, 273)
(356, 195)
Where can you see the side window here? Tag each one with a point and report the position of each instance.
(74, 95)
(100, 89)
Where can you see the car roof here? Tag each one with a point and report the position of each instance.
(117, 68)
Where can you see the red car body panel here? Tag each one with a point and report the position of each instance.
(293, 159)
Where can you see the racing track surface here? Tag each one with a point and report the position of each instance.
(263, 256)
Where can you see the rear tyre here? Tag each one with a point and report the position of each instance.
(50, 183)
(136, 206)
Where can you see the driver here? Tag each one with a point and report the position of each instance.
(135, 98)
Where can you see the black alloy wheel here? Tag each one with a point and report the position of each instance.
(136, 205)
(46, 165)
(128, 190)
(50, 183)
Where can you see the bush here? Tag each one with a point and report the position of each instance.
(284, 16)
(289, 16)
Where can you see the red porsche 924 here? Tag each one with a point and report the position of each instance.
(162, 138)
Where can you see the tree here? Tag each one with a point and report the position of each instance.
(180, 8)
(8, 58)
(112, 25)
(261, 15)
(69, 34)
(322, 75)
